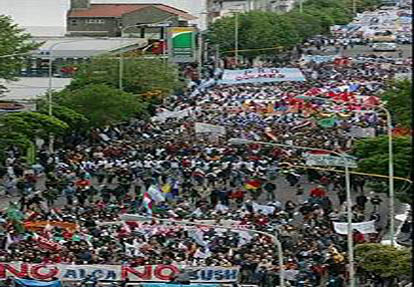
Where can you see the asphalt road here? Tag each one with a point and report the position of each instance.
(284, 192)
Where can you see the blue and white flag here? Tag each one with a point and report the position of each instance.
(35, 283)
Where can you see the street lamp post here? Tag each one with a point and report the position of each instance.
(200, 55)
(49, 93)
(273, 237)
(390, 160)
(121, 57)
(236, 38)
(351, 270)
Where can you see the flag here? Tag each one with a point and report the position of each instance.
(13, 212)
(197, 235)
(155, 193)
(35, 283)
(126, 227)
(147, 202)
(166, 188)
(265, 209)
(9, 241)
(47, 230)
(15, 216)
(327, 123)
(252, 184)
(245, 238)
(202, 253)
(221, 207)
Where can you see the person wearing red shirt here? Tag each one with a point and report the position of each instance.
(358, 237)
(82, 183)
(318, 192)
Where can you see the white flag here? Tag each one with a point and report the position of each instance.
(156, 193)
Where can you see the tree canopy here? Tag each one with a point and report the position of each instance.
(140, 75)
(73, 119)
(14, 41)
(373, 154)
(258, 30)
(21, 129)
(32, 124)
(398, 101)
(101, 104)
(383, 260)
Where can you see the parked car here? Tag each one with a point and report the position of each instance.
(391, 47)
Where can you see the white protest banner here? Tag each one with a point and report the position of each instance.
(360, 132)
(261, 75)
(211, 129)
(319, 58)
(363, 227)
(148, 273)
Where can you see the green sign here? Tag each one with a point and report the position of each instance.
(182, 44)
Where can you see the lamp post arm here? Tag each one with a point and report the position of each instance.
(273, 237)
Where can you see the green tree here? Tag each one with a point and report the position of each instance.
(373, 154)
(32, 124)
(10, 139)
(75, 120)
(398, 101)
(140, 75)
(20, 129)
(257, 30)
(383, 260)
(101, 104)
(13, 41)
(306, 25)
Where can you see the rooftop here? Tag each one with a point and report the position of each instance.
(117, 10)
(80, 47)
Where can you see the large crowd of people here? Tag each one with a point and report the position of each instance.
(165, 169)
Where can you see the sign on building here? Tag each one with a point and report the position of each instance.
(182, 45)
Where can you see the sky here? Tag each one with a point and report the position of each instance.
(52, 13)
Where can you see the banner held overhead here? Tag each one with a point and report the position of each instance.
(261, 75)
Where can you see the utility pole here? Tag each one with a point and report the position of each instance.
(217, 56)
(200, 54)
(236, 38)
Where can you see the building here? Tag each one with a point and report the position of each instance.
(71, 51)
(112, 20)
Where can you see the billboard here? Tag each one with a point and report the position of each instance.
(182, 45)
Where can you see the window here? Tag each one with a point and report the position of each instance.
(95, 21)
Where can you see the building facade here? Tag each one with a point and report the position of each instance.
(111, 20)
